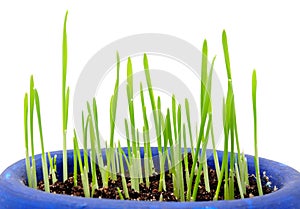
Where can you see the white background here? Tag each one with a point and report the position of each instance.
(262, 35)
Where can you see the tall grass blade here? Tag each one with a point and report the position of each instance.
(44, 159)
(65, 98)
(256, 158)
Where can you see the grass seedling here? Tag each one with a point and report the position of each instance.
(178, 155)
(202, 164)
(44, 159)
(93, 155)
(120, 194)
(31, 170)
(83, 170)
(65, 98)
(93, 113)
(239, 180)
(124, 183)
(256, 159)
(85, 141)
(216, 158)
(113, 109)
(188, 118)
(153, 105)
(31, 103)
(185, 155)
(135, 160)
(227, 118)
(75, 170)
(27, 160)
(204, 105)
(52, 163)
(148, 163)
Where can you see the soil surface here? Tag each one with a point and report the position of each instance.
(152, 193)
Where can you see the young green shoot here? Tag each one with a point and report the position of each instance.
(44, 159)
(216, 158)
(93, 155)
(52, 163)
(75, 170)
(256, 158)
(224, 168)
(238, 178)
(120, 193)
(185, 155)
(85, 141)
(148, 163)
(153, 104)
(124, 183)
(99, 150)
(65, 98)
(204, 107)
(188, 118)
(135, 160)
(31, 110)
(27, 160)
(83, 170)
(202, 163)
(113, 110)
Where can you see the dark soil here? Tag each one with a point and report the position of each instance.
(151, 193)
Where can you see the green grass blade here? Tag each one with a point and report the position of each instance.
(174, 117)
(124, 183)
(83, 170)
(77, 151)
(120, 194)
(256, 158)
(153, 103)
(114, 102)
(201, 163)
(93, 155)
(238, 178)
(216, 158)
(52, 163)
(185, 156)
(44, 160)
(203, 73)
(65, 98)
(188, 117)
(128, 140)
(226, 54)
(31, 110)
(85, 142)
(74, 164)
(26, 140)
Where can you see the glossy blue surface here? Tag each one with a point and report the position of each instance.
(14, 194)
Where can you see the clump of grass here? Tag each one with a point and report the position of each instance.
(173, 130)
(31, 167)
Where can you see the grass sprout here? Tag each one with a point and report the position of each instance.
(31, 110)
(52, 169)
(65, 98)
(124, 183)
(27, 159)
(83, 169)
(44, 159)
(256, 159)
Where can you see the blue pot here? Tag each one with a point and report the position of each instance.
(14, 194)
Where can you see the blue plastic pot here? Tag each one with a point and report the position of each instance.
(14, 194)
